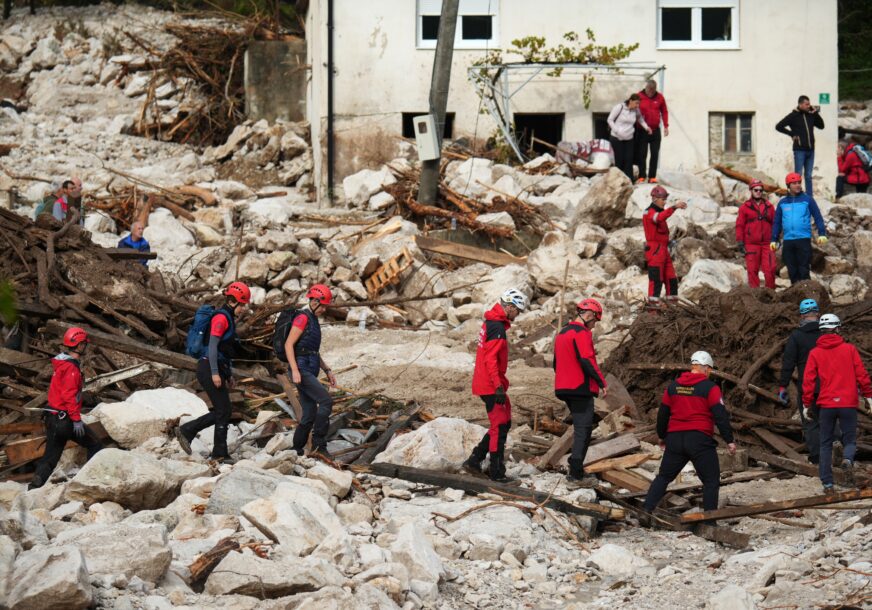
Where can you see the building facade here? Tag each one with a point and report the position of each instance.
(731, 70)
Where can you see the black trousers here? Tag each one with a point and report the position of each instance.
(840, 186)
(645, 141)
(58, 431)
(219, 416)
(797, 257)
(811, 430)
(317, 407)
(582, 425)
(623, 150)
(681, 448)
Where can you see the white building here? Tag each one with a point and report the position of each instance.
(733, 69)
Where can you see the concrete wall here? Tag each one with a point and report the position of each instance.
(786, 48)
(276, 80)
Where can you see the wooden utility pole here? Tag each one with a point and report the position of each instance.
(429, 186)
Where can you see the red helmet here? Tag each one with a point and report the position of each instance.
(756, 184)
(591, 305)
(658, 192)
(74, 336)
(792, 177)
(239, 291)
(321, 293)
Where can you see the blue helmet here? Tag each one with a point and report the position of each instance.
(808, 306)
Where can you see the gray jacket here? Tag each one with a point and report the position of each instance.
(622, 122)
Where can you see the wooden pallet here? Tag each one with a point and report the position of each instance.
(388, 274)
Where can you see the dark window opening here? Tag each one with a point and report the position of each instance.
(717, 24)
(675, 24)
(409, 126)
(477, 27)
(429, 27)
(601, 125)
(545, 127)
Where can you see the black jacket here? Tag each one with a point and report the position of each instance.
(799, 345)
(801, 124)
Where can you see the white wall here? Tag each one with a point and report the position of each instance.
(787, 48)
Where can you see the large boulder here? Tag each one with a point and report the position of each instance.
(847, 289)
(472, 177)
(862, 241)
(547, 265)
(627, 245)
(441, 444)
(426, 280)
(683, 181)
(706, 275)
(145, 414)
(359, 187)
(134, 480)
(50, 578)
(605, 202)
(413, 549)
(122, 549)
(619, 562)
(239, 487)
(165, 232)
(248, 574)
(857, 200)
(485, 284)
(588, 239)
(701, 209)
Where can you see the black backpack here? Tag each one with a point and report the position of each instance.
(282, 330)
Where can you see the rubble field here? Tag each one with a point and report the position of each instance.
(110, 94)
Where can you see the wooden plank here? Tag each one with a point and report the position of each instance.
(742, 477)
(809, 470)
(491, 257)
(627, 461)
(27, 363)
(776, 442)
(128, 254)
(557, 451)
(611, 448)
(635, 482)
(771, 507)
(477, 485)
(25, 427)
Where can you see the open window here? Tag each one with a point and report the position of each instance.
(545, 127)
(477, 24)
(698, 24)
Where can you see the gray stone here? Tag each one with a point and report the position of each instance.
(239, 487)
(8, 551)
(617, 561)
(248, 574)
(50, 578)
(337, 481)
(122, 549)
(731, 597)
(606, 202)
(413, 549)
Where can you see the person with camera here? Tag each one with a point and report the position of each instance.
(800, 125)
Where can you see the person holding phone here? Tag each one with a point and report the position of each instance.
(800, 125)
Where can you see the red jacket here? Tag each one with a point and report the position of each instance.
(852, 167)
(652, 108)
(834, 366)
(654, 223)
(492, 356)
(693, 402)
(754, 222)
(576, 372)
(65, 391)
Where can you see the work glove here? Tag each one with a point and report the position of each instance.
(500, 395)
(869, 406)
(773, 246)
(742, 248)
(806, 412)
(822, 240)
(79, 429)
(783, 396)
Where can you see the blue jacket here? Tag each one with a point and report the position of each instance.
(794, 214)
(140, 245)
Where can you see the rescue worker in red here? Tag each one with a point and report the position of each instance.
(215, 374)
(577, 380)
(692, 405)
(829, 386)
(660, 269)
(489, 382)
(753, 233)
(63, 415)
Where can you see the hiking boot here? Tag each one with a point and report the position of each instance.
(587, 481)
(184, 441)
(472, 466)
(829, 490)
(497, 471)
(35, 483)
(322, 453)
(848, 467)
(224, 459)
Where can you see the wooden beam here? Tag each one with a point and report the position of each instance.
(491, 257)
(618, 397)
(611, 448)
(627, 461)
(635, 482)
(809, 470)
(777, 442)
(771, 507)
(478, 485)
(128, 254)
(557, 451)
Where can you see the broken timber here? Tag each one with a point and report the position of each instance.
(381, 444)
(809, 470)
(771, 507)
(477, 485)
(491, 257)
(388, 274)
(128, 254)
(600, 451)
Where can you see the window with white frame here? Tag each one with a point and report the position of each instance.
(698, 24)
(477, 24)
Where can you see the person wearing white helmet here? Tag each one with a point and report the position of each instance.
(490, 383)
(835, 368)
(691, 407)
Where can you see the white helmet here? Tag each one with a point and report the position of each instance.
(829, 321)
(515, 297)
(703, 358)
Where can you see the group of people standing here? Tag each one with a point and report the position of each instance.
(635, 132)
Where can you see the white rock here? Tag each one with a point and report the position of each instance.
(617, 561)
(497, 219)
(122, 549)
(681, 180)
(469, 177)
(485, 547)
(380, 201)
(857, 200)
(236, 138)
(292, 145)
(441, 444)
(354, 512)
(731, 597)
(65, 511)
(165, 232)
(8, 551)
(231, 189)
(97, 222)
(862, 241)
(359, 187)
(308, 250)
(355, 289)
(145, 414)
(47, 53)
(413, 549)
(337, 481)
(50, 577)
(248, 574)
(606, 202)
(547, 264)
(588, 239)
(138, 84)
(706, 275)
(240, 486)
(847, 289)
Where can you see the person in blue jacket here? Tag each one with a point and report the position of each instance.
(136, 241)
(794, 214)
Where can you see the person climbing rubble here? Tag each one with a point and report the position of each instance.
(691, 407)
(800, 343)
(835, 368)
(793, 217)
(63, 415)
(215, 373)
(661, 272)
(578, 380)
(135, 241)
(489, 382)
(303, 352)
(753, 232)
